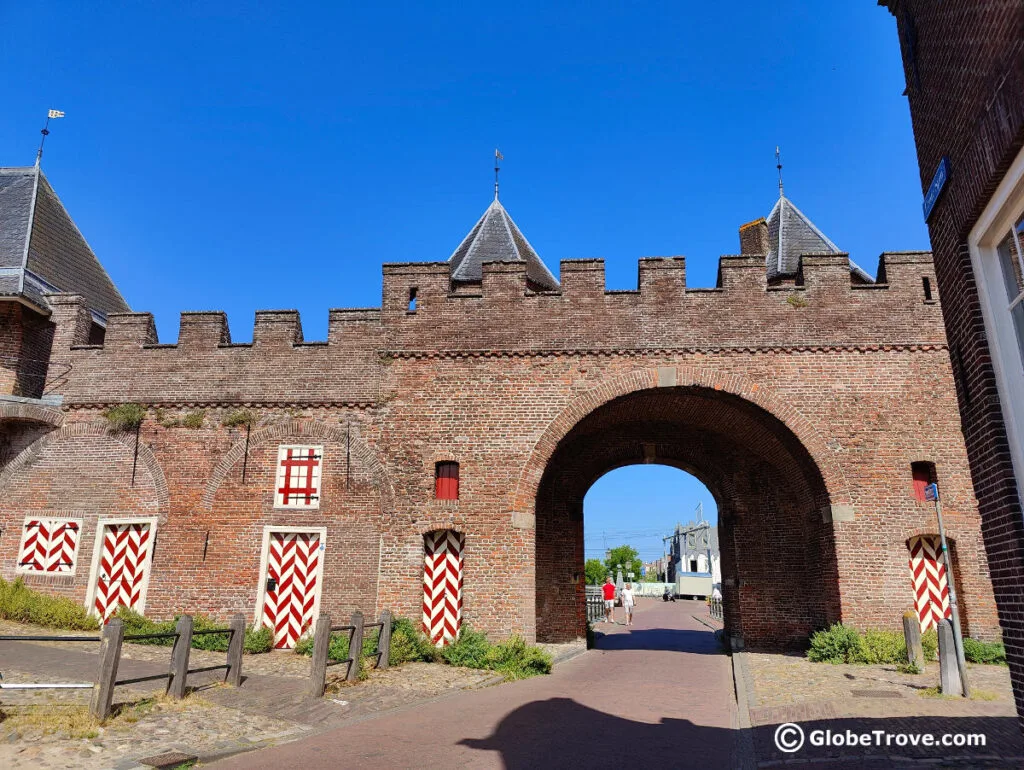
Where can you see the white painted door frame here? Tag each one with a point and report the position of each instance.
(261, 587)
(97, 550)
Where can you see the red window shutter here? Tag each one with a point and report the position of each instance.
(923, 474)
(446, 481)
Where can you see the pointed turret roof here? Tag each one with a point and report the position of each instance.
(41, 249)
(790, 235)
(495, 238)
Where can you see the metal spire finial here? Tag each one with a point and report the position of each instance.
(497, 156)
(45, 131)
(778, 165)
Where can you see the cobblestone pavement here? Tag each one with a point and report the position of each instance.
(270, 707)
(862, 699)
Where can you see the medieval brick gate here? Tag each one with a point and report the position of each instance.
(479, 407)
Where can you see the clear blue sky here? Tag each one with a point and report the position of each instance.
(235, 157)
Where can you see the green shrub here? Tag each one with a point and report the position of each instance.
(194, 419)
(984, 652)
(237, 418)
(515, 659)
(23, 605)
(833, 645)
(258, 640)
(125, 416)
(469, 650)
(930, 645)
(880, 647)
(408, 643)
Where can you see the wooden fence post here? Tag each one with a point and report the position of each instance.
(318, 666)
(179, 658)
(355, 646)
(236, 646)
(384, 639)
(110, 656)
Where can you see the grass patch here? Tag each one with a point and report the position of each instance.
(194, 419)
(75, 721)
(796, 301)
(238, 417)
(125, 416)
(23, 605)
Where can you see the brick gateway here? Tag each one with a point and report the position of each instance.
(475, 407)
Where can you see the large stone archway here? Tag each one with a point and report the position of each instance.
(779, 567)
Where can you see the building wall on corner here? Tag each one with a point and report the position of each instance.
(964, 64)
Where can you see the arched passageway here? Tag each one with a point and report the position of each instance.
(779, 571)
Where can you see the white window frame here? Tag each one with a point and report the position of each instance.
(20, 570)
(279, 478)
(995, 223)
(97, 550)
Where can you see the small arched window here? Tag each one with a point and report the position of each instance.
(446, 481)
(923, 474)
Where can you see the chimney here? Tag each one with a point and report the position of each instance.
(754, 238)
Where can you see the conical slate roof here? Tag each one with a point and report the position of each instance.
(41, 249)
(495, 238)
(790, 235)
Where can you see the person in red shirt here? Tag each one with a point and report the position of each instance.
(609, 598)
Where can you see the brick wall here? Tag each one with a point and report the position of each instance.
(24, 350)
(964, 64)
(802, 407)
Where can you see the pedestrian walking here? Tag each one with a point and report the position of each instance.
(627, 603)
(608, 590)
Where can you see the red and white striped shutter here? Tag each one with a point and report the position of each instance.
(299, 470)
(931, 591)
(293, 560)
(124, 562)
(442, 585)
(49, 545)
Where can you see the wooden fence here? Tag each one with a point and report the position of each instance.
(111, 640)
(356, 630)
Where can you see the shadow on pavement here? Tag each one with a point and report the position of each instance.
(671, 639)
(561, 732)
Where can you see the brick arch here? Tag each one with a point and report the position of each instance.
(685, 376)
(307, 428)
(147, 459)
(13, 410)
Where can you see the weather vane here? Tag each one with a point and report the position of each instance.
(778, 165)
(46, 132)
(497, 156)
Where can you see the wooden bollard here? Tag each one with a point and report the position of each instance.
(318, 666)
(912, 635)
(236, 646)
(179, 658)
(384, 639)
(355, 646)
(110, 656)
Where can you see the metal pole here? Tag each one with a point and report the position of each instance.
(951, 582)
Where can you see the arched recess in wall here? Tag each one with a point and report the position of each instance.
(23, 424)
(292, 427)
(147, 461)
(525, 492)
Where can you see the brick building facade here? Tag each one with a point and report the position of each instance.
(480, 401)
(964, 66)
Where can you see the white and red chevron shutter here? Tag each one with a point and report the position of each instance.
(442, 585)
(931, 591)
(49, 545)
(290, 585)
(123, 567)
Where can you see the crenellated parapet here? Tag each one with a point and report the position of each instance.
(423, 310)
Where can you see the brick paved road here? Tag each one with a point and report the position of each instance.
(658, 694)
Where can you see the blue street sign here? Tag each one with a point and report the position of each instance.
(931, 492)
(935, 188)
